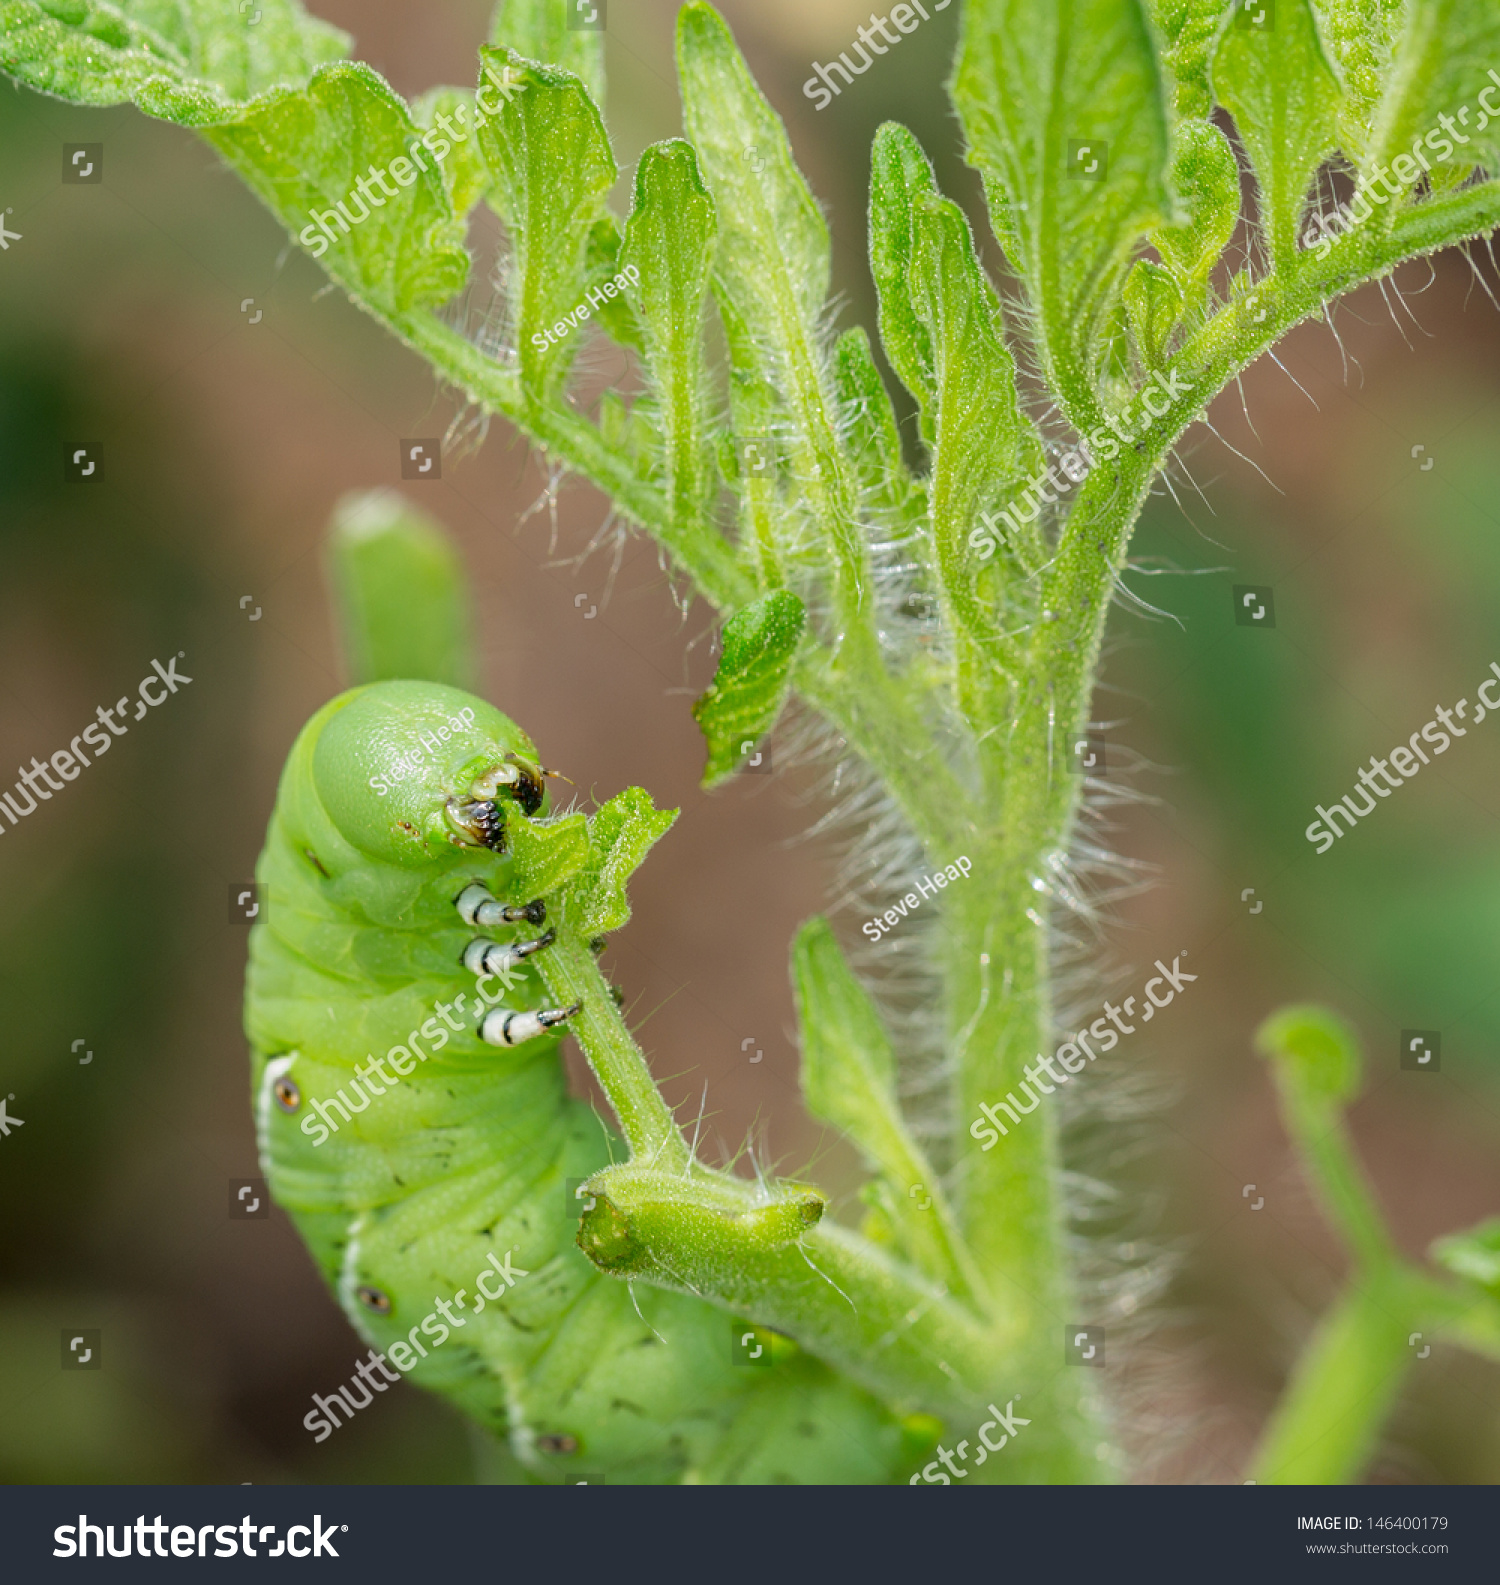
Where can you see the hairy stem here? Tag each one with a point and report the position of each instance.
(571, 975)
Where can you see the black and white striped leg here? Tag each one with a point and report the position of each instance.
(503, 1027)
(479, 907)
(491, 957)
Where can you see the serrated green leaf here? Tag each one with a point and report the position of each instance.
(304, 148)
(773, 245)
(871, 435)
(977, 434)
(1153, 304)
(771, 280)
(1442, 80)
(188, 61)
(538, 30)
(1206, 178)
(464, 169)
(1315, 1051)
(546, 854)
(1280, 86)
(553, 166)
(849, 1082)
(401, 591)
(282, 47)
(978, 425)
(1473, 1255)
(899, 177)
(1187, 28)
(751, 461)
(848, 1062)
(1065, 112)
(750, 687)
(669, 241)
(601, 261)
(620, 836)
(1359, 35)
(309, 153)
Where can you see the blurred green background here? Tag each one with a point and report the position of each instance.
(227, 438)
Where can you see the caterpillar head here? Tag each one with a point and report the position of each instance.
(406, 770)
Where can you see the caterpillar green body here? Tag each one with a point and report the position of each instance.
(445, 1194)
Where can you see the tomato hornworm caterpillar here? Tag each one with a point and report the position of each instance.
(414, 1120)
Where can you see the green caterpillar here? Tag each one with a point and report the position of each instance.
(393, 966)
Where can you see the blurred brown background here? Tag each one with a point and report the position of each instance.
(226, 443)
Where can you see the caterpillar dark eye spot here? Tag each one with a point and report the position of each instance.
(477, 822)
(557, 1444)
(374, 1299)
(617, 995)
(529, 794)
(288, 1096)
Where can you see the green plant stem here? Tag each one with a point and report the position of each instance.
(572, 975)
(997, 991)
(1322, 1140)
(881, 718)
(868, 1315)
(700, 550)
(1329, 1420)
(1457, 1314)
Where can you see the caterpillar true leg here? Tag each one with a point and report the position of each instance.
(502, 1027)
(490, 957)
(478, 906)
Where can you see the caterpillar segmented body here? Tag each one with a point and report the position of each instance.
(413, 1119)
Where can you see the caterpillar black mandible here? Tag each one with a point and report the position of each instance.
(413, 1119)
